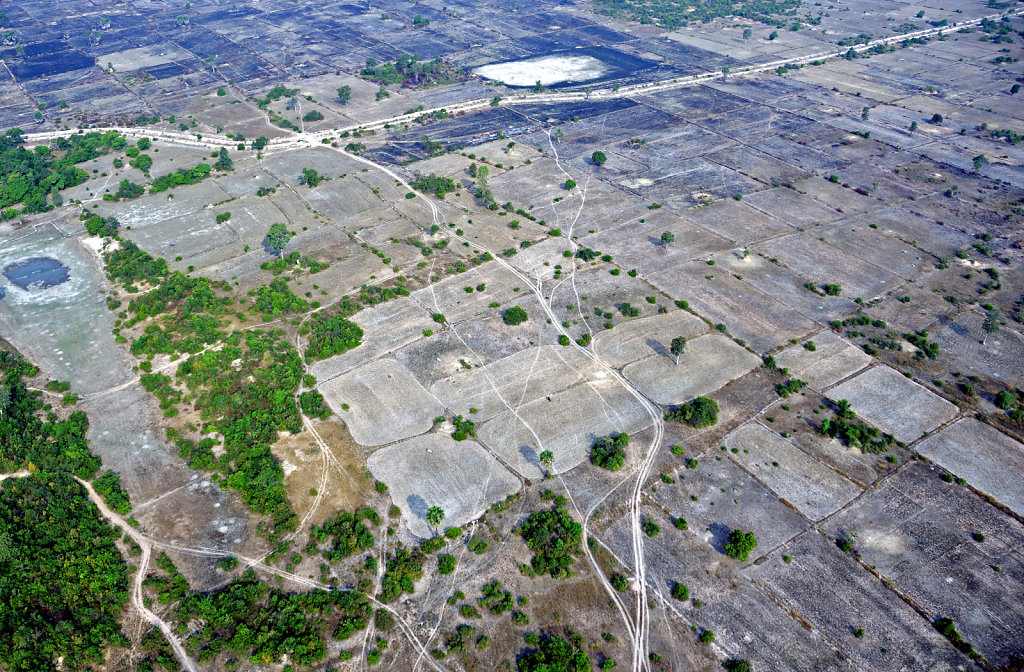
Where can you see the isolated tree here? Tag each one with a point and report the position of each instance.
(570, 184)
(344, 94)
(747, 32)
(435, 516)
(936, 118)
(598, 158)
(740, 545)
(224, 161)
(668, 238)
(979, 162)
(310, 177)
(736, 665)
(547, 458)
(991, 324)
(515, 316)
(277, 237)
(913, 127)
(677, 347)
(864, 113)
(726, 70)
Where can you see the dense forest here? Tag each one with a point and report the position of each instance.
(62, 579)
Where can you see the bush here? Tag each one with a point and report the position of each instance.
(332, 336)
(736, 665)
(1005, 401)
(619, 582)
(445, 563)
(312, 403)
(515, 315)
(608, 452)
(554, 655)
(740, 545)
(701, 412)
(554, 537)
(706, 637)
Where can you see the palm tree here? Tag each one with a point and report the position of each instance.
(547, 458)
(435, 516)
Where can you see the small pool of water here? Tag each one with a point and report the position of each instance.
(37, 273)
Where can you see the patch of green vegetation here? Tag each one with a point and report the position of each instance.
(410, 70)
(789, 387)
(250, 619)
(700, 412)
(63, 582)
(434, 184)
(182, 176)
(609, 452)
(108, 486)
(740, 545)
(673, 14)
(554, 654)
(554, 537)
(403, 570)
(332, 336)
(31, 178)
(347, 532)
(852, 433)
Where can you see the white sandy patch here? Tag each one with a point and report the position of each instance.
(547, 70)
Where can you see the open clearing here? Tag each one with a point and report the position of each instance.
(708, 363)
(434, 470)
(874, 394)
(814, 489)
(649, 335)
(386, 403)
(566, 423)
(990, 461)
(832, 360)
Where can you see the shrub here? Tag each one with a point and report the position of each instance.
(619, 582)
(515, 316)
(680, 591)
(701, 412)
(740, 545)
(736, 665)
(445, 563)
(608, 452)
(554, 537)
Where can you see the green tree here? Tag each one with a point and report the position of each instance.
(747, 32)
(991, 324)
(740, 545)
(570, 184)
(677, 347)
(864, 113)
(435, 516)
(1004, 401)
(547, 458)
(609, 452)
(913, 127)
(277, 237)
(667, 238)
(515, 316)
(344, 94)
(310, 177)
(979, 162)
(598, 158)
(224, 161)
(5, 399)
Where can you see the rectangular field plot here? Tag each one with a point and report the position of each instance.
(832, 360)
(990, 461)
(1001, 357)
(635, 340)
(515, 380)
(385, 402)
(792, 207)
(814, 489)
(737, 221)
(639, 246)
(916, 530)
(820, 262)
(748, 313)
(894, 403)
(837, 595)
(566, 423)
(434, 470)
(708, 363)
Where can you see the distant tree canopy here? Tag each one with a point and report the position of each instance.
(313, 115)
(344, 94)
(410, 70)
(554, 654)
(182, 176)
(515, 316)
(673, 14)
(310, 177)
(598, 158)
(554, 537)
(433, 184)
